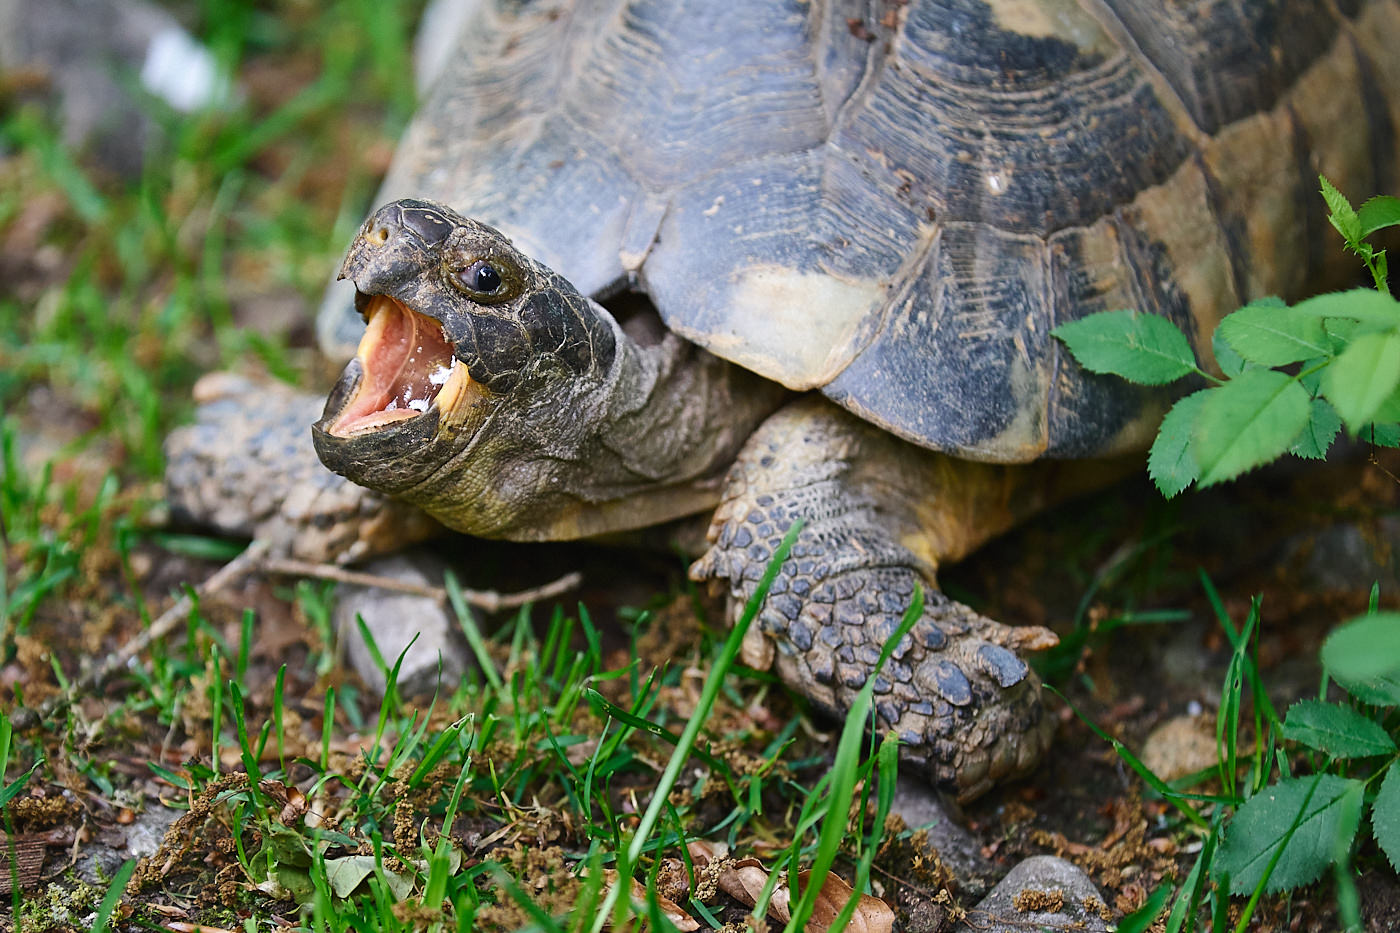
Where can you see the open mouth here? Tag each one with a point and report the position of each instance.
(408, 368)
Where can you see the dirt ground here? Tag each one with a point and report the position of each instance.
(1308, 538)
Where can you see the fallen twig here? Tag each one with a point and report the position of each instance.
(489, 600)
(164, 624)
(256, 558)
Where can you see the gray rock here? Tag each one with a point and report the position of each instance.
(1348, 557)
(923, 808)
(416, 626)
(100, 858)
(1066, 897)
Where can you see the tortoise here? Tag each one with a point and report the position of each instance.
(800, 259)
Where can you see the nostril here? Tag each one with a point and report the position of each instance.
(377, 236)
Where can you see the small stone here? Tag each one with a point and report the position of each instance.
(923, 809)
(393, 619)
(1043, 892)
(1180, 746)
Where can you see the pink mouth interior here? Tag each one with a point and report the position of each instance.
(403, 369)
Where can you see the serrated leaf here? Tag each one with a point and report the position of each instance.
(1361, 304)
(1363, 377)
(1310, 377)
(1319, 433)
(1263, 332)
(1170, 463)
(1340, 731)
(1248, 421)
(1389, 410)
(1380, 211)
(1363, 655)
(1261, 824)
(1340, 212)
(1381, 433)
(1230, 362)
(1385, 817)
(1142, 348)
(1340, 330)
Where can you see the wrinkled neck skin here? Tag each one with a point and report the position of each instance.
(488, 392)
(646, 441)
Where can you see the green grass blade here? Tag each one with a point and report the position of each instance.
(1144, 917)
(604, 705)
(467, 620)
(843, 772)
(729, 652)
(115, 890)
(1144, 772)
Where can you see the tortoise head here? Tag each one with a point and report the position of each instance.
(478, 367)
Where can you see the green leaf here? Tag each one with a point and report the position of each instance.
(1389, 410)
(1363, 377)
(1381, 433)
(1265, 332)
(1260, 827)
(1318, 434)
(348, 873)
(1249, 421)
(1363, 655)
(1381, 211)
(1142, 348)
(1361, 304)
(113, 897)
(1311, 376)
(1230, 362)
(1170, 463)
(1340, 330)
(1385, 817)
(1340, 213)
(1340, 731)
(296, 883)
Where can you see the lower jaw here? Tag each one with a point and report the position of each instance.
(389, 457)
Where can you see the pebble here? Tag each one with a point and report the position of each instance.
(1180, 746)
(1044, 892)
(922, 808)
(393, 620)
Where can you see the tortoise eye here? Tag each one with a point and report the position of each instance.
(482, 281)
(484, 277)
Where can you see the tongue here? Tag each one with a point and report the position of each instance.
(406, 360)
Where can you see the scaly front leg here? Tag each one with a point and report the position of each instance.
(879, 514)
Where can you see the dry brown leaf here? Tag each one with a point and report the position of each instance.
(743, 879)
(293, 801)
(682, 920)
(702, 851)
(872, 915)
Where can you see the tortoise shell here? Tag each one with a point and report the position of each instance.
(895, 202)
